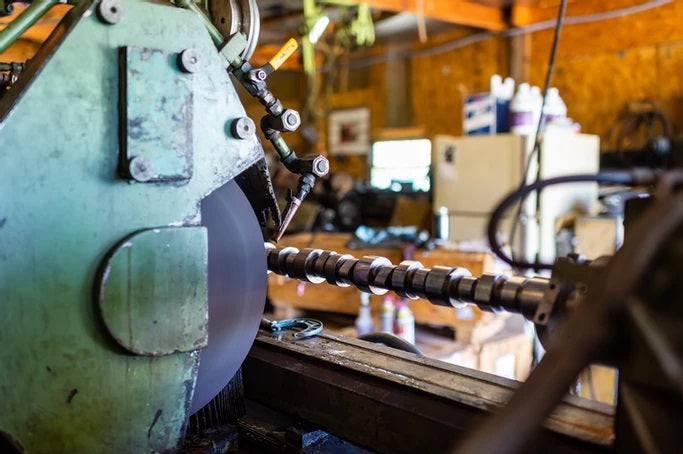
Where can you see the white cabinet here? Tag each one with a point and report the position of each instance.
(472, 174)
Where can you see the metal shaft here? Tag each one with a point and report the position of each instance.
(21, 23)
(449, 286)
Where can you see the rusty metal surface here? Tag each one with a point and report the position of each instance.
(393, 401)
(263, 429)
(158, 115)
(153, 291)
(256, 184)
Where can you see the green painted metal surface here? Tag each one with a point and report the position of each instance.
(152, 291)
(157, 122)
(65, 384)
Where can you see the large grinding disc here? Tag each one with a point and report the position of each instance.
(237, 288)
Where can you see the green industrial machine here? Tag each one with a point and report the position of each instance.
(134, 201)
(128, 303)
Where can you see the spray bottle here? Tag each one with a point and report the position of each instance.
(364, 323)
(405, 321)
(387, 315)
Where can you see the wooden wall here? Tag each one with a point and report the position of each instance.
(599, 68)
(603, 65)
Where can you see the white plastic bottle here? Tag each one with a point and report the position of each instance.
(405, 322)
(386, 318)
(364, 322)
(496, 85)
(522, 111)
(508, 90)
(555, 109)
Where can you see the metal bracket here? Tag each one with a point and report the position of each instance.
(303, 327)
(157, 115)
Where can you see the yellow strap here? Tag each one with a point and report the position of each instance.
(284, 53)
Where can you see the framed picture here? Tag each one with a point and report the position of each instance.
(349, 131)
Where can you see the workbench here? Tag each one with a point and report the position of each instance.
(471, 324)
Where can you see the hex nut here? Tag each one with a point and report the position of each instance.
(190, 60)
(291, 120)
(110, 11)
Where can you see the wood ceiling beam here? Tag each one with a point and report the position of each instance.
(461, 12)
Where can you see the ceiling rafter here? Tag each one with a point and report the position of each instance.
(461, 12)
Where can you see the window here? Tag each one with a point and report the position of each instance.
(401, 164)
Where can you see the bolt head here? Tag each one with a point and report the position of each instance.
(110, 11)
(189, 60)
(291, 120)
(140, 169)
(243, 128)
(261, 74)
(321, 166)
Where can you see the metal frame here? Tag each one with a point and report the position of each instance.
(394, 401)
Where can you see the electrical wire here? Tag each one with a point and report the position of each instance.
(536, 151)
(634, 177)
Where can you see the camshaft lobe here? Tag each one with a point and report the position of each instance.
(441, 285)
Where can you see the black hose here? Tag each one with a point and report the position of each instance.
(637, 176)
(391, 340)
(584, 336)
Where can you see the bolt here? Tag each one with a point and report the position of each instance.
(242, 128)
(257, 76)
(321, 166)
(110, 11)
(140, 169)
(290, 120)
(189, 60)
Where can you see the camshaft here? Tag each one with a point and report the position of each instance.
(449, 286)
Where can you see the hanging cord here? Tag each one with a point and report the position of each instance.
(535, 152)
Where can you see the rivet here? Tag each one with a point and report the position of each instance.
(243, 128)
(140, 169)
(110, 11)
(189, 60)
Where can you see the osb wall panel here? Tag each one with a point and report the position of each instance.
(440, 83)
(601, 66)
(596, 87)
(654, 26)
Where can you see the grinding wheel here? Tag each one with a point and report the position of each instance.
(237, 288)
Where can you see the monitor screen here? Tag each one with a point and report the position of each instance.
(401, 165)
